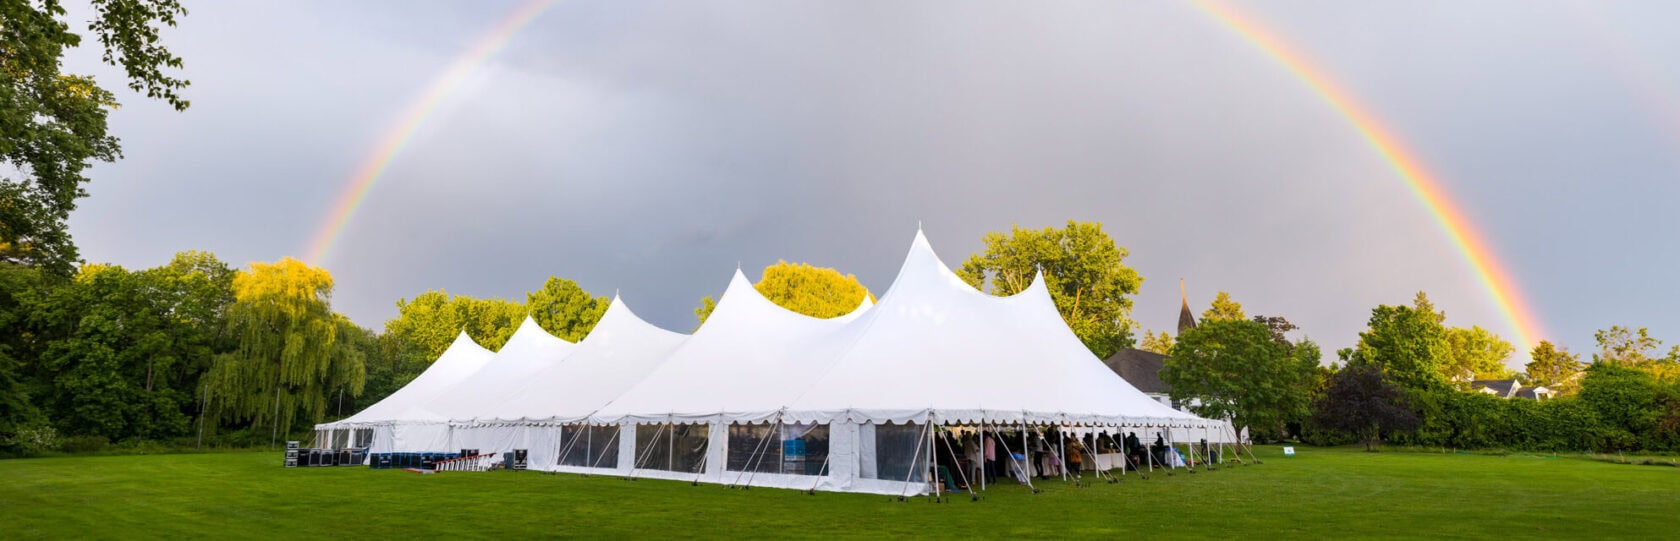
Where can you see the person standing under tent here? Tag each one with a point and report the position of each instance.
(1075, 460)
(989, 460)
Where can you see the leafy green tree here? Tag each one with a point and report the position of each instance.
(1475, 353)
(17, 410)
(1224, 309)
(53, 124)
(288, 363)
(564, 309)
(1409, 343)
(1626, 401)
(803, 288)
(1084, 270)
(1637, 349)
(1161, 342)
(1554, 367)
(127, 348)
(1235, 369)
(1360, 401)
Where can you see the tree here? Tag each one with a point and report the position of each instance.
(1626, 400)
(1625, 346)
(1224, 309)
(53, 124)
(426, 325)
(1234, 369)
(1636, 349)
(801, 287)
(1554, 367)
(18, 412)
(1408, 343)
(127, 348)
(1475, 353)
(288, 362)
(1361, 401)
(564, 309)
(707, 304)
(1158, 342)
(1084, 270)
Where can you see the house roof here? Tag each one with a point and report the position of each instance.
(1504, 388)
(1531, 393)
(1141, 368)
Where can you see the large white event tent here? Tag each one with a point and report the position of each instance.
(546, 414)
(529, 351)
(763, 396)
(372, 426)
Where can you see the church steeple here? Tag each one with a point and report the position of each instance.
(1186, 320)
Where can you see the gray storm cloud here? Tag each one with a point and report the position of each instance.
(650, 147)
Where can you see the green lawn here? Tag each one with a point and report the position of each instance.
(1320, 492)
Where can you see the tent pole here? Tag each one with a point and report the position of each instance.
(1020, 466)
(1061, 441)
(911, 471)
(610, 441)
(1059, 458)
(933, 447)
(984, 464)
(750, 465)
(775, 435)
(951, 450)
(1092, 457)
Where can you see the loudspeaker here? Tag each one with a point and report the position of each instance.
(518, 462)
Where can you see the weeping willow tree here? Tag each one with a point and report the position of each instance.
(289, 363)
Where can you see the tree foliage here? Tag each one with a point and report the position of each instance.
(1360, 401)
(1408, 343)
(1554, 367)
(1224, 309)
(53, 124)
(1236, 369)
(804, 288)
(289, 361)
(1637, 349)
(1084, 270)
(564, 309)
(1475, 353)
(1161, 342)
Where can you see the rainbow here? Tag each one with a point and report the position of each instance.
(1483, 261)
(397, 138)
(1501, 288)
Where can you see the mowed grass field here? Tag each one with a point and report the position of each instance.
(1318, 493)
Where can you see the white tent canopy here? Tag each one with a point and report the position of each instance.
(620, 351)
(749, 359)
(461, 360)
(529, 351)
(934, 350)
(937, 349)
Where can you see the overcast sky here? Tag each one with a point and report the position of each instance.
(649, 147)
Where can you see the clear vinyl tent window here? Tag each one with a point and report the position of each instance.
(588, 446)
(363, 438)
(798, 449)
(340, 439)
(671, 447)
(901, 452)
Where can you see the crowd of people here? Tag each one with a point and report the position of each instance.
(964, 455)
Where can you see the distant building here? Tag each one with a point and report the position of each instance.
(1142, 368)
(1510, 388)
